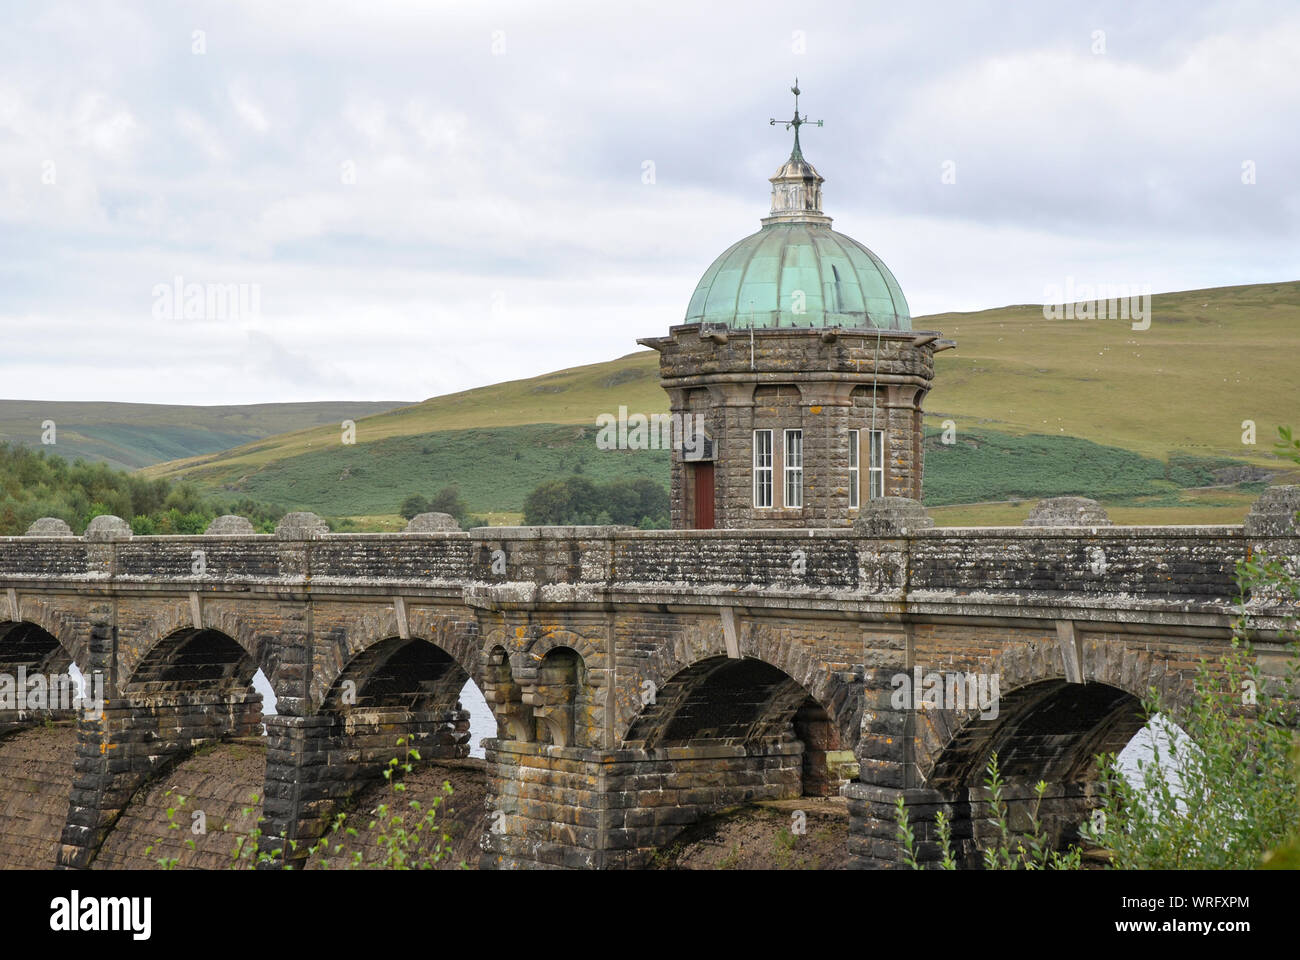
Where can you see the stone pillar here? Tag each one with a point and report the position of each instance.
(97, 795)
(314, 764)
(875, 841)
(297, 800)
(554, 807)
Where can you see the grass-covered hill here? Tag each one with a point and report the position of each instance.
(132, 435)
(1150, 421)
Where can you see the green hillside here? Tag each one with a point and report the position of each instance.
(1210, 360)
(1041, 407)
(495, 469)
(133, 435)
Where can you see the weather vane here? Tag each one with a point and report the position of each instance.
(798, 121)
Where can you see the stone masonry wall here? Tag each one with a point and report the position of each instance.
(823, 383)
(587, 809)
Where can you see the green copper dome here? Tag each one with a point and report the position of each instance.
(799, 273)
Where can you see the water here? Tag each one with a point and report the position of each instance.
(481, 721)
(263, 686)
(1159, 733)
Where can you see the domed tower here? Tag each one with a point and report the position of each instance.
(796, 375)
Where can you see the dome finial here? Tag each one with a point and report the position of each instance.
(796, 123)
(797, 186)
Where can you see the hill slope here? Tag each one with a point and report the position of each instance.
(1210, 360)
(1178, 392)
(133, 435)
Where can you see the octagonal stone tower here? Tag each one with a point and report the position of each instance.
(798, 360)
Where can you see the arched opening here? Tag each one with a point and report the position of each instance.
(1050, 731)
(407, 689)
(193, 662)
(193, 686)
(560, 680)
(397, 698)
(36, 684)
(510, 716)
(753, 705)
(399, 674)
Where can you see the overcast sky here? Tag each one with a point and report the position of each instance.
(427, 197)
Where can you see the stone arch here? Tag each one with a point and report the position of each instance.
(839, 692)
(560, 695)
(187, 661)
(1037, 704)
(1047, 722)
(751, 704)
(189, 688)
(718, 699)
(170, 620)
(396, 672)
(29, 650)
(546, 685)
(1046, 730)
(389, 696)
(70, 627)
(25, 643)
(396, 688)
(339, 647)
(536, 649)
(505, 697)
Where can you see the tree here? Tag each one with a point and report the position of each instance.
(413, 506)
(447, 500)
(548, 503)
(636, 502)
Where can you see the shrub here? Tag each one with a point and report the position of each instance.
(635, 502)
(413, 506)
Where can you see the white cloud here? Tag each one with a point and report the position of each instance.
(515, 179)
(249, 111)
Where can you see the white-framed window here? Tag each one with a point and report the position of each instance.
(855, 474)
(793, 469)
(762, 468)
(876, 464)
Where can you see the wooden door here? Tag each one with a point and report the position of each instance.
(703, 496)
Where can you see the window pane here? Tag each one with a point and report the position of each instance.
(854, 440)
(876, 463)
(762, 468)
(794, 469)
